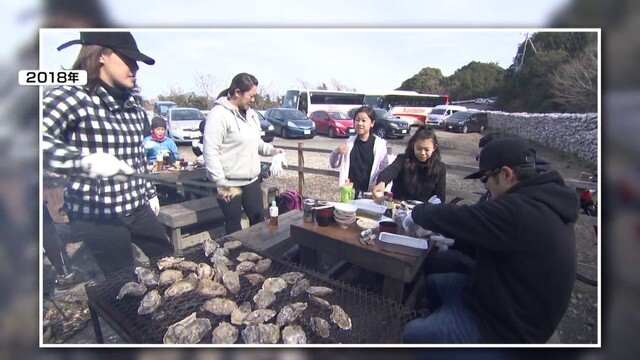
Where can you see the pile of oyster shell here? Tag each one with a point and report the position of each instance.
(256, 322)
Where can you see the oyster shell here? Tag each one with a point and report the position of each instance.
(291, 277)
(248, 256)
(255, 279)
(340, 318)
(189, 330)
(231, 281)
(204, 271)
(261, 334)
(219, 270)
(220, 306)
(274, 284)
(290, 312)
(233, 244)
(208, 287)
(299, 287)
(222, 252)
(182, 286)
(259, 316)
(245, 267)
(224, 333)
(131, 288)
(150, 302)
(319, 290)
(293, 334)
(170, 276)
(262, 265)
(320, 326)
(264, 298)
(146, 277)
(238, 315)
(322, 303)
(220, 259)
(209, 246)
(187, 265)
(169, 262)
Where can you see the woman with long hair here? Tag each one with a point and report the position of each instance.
(418, 174)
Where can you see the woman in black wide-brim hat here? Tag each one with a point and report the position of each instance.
(93, 134)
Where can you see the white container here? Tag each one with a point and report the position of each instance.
(402, 244)
(369, 209)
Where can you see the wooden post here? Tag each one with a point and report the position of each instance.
(300, 167)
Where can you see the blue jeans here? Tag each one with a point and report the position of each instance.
(451, 321)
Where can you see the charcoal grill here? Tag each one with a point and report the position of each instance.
(375, 319)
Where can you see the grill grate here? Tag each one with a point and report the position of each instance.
(374, 319)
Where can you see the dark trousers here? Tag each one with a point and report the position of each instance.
(53, 246)
(250, 200)
(109, 241)
(448, 261)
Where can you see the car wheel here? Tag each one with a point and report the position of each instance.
(381, 133)
(284, 133)
(465, 129)
(481, 128)
(331, 133)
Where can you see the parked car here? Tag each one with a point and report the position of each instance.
(183, 124)
(267, 134)
(441, 112)
(161, 108)
(465, 121)
(333, 123)
(289, 123)
(387, 125)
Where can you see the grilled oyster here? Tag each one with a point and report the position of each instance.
(262, 265)
(299, 287)
(187, 265)
(244, 267)
(290, 312)
(259, 316)
(233, 244)
(255, 279)
(322, 303)
(218, 270)
(220, 306)
(169, 262)
(146, 277)
(293, 334)
(340, 318)
(231, 281)
(248, 256)
(291, 277)
(261, 334)
(182, 286)
(264, 298)
(131, 288)
(204, 271)
(208, 287)
(189, 330)
(319, 290)
(238, 315)
(224, 333)
(320, 326)
(170, 276)
(219, 259)
(150, 302)
(222, 252)
(274, 284)
(209, 246)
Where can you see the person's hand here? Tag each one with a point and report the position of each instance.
(227, 193)
(408, 224)
(150, 145)
(154, 203)
(377, 192)
(342, 149)
(422, 233)
(103, 165)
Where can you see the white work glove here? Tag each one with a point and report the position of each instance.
(434, 200)
(150, 145)
(277, 163)
(102, 165)
(154, 202)
(443, 242)
(408, 224)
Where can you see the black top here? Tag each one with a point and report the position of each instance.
(361, 162)
(402, 188)
(526, 260)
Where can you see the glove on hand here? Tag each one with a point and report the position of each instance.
(408, 224)
(154, 202)
(434, 200)
(150, 144)
(277, 163)
(102, 165)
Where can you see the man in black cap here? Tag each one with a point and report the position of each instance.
(94, 135)
(520, 287)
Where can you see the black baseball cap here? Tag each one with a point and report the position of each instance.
(121, 42)
(508, 151)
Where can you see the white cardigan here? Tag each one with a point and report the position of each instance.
(380, 160)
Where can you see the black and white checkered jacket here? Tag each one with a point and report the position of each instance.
(76, 123)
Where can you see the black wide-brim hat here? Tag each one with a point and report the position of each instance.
(121, 42)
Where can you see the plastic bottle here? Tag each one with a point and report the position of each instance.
(347, 191)
(388, 200)
(273, 215)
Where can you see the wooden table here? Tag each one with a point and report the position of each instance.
(276, 241)
(189, 183)
(397, 269)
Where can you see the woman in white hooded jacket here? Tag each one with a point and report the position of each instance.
(231, 150)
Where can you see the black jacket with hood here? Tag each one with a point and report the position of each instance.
(526, 260)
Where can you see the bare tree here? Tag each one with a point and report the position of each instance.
(208, 85)
(339, 86)
(575, 83)
(303, 84)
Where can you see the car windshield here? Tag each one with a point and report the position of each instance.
(382, 114)
(186, 115)
(438, 111)
(461, 115)
(294, 115)
(339, 116)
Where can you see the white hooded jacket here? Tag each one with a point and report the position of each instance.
(380, 160)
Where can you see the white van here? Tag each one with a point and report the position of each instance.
(441, 112)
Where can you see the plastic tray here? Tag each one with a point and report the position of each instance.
(369, 209)
(402, 244)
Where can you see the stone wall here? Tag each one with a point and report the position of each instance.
(574, 133)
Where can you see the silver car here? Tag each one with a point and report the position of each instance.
(182, 124)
